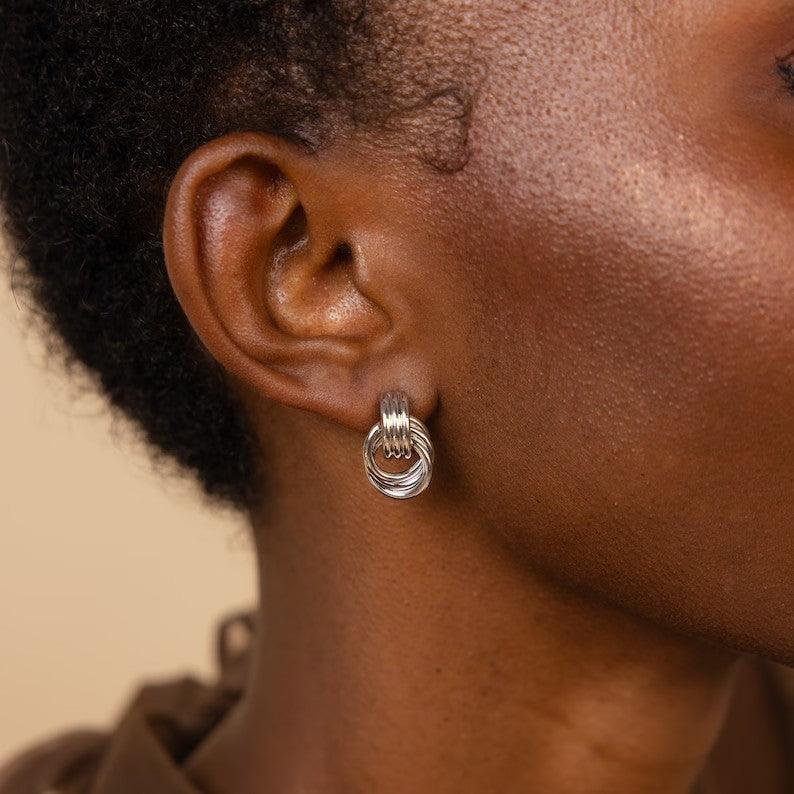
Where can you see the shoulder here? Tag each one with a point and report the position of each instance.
(59, 764)
(160, 725)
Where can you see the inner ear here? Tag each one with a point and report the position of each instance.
(294, 231)
(312, 291)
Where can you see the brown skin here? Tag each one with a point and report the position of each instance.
(596, 319)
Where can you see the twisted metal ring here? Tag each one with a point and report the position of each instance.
(400, 434)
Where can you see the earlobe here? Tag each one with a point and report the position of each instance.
(256, 250)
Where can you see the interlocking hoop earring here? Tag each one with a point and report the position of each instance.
(399, 435)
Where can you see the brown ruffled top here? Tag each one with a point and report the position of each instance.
(160, 727)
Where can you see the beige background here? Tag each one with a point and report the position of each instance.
(108, 574)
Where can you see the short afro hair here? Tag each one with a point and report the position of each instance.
(99, 104)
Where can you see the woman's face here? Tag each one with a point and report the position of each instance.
(615, 343)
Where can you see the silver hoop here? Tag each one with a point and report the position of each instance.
(399, 435)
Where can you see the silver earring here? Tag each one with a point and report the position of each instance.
(399, 435)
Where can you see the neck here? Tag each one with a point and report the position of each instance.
(400, 650)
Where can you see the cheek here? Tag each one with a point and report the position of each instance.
(629, 415)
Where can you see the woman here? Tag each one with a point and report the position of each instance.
(562, 233)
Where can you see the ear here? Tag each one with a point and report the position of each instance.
(281, 269)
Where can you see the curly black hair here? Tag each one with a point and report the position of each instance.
(100, 102)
